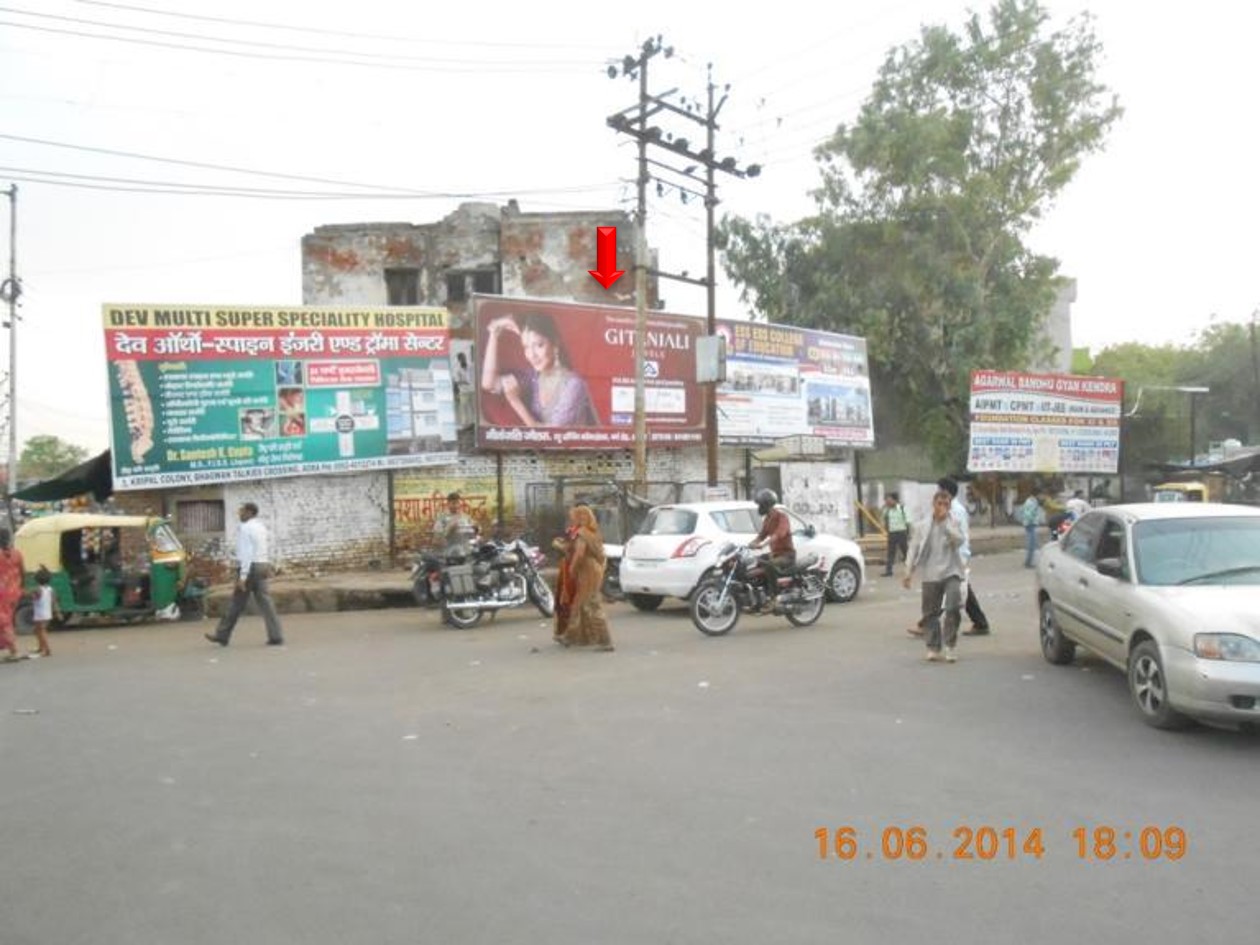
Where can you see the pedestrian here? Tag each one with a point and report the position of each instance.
(254, 568)
(582, 570)
(45, 609)
(1077, 505)
(454, 528)
(897, 529)
(12, 582)
(979, 622)
(936, 552)
(1029, 517)
(776, 531)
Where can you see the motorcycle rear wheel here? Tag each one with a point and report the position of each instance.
(540, 593)
(462, 617)
(712, 616)
(807, 613)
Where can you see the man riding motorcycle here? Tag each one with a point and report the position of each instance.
(776, 529)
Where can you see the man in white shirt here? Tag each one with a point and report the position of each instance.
(1077, 505)
(253, 558)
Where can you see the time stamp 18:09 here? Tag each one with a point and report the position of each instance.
(1099, 843)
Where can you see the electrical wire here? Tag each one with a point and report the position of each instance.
(325, 32)
(98, 182)
(256, 44)
(479, 68)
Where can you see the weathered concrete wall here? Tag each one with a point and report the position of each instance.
(319, 523)
(549, 255)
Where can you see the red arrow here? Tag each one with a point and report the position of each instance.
(606, 257)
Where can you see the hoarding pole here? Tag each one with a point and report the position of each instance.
(640, 285)
(11, 293)
(710, 204)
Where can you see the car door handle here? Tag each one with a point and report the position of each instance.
(1084, 583)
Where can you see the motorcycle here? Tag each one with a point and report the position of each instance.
(495, 575)
(611, 587)
(426, 578)
(736, 585)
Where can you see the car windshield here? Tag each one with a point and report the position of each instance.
(1198, 551)
(737, 521)
(669, 521)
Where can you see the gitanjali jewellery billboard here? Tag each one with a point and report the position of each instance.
(1048, 423)
(783, 381)
(559, 375)
(203, 394)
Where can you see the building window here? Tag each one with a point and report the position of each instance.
(461, 283)
(200, 517)
(402, 286)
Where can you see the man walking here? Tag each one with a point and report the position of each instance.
(958, 511)
(897, 529)
(1030, 516)
(253, 557)
(936, 553)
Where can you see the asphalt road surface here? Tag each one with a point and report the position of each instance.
(382, 779)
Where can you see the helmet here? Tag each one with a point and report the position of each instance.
(766, 500)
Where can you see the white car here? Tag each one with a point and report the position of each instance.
(1170, 594)
(679, 543)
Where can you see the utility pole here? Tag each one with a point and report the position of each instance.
(1254, 427)
(638, 128)
(11, 291)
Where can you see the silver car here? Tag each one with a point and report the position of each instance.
(1169, 593)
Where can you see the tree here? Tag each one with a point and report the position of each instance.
(44, 457)
(925, 202)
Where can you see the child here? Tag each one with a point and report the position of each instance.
(45, 609)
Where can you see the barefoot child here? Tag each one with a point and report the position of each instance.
(45, 609)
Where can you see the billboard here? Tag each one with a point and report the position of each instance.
(783, 381)
(202, 394)
(1049, 423)
(557, 375)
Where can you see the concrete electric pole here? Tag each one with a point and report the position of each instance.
(10, 292)
(644, 134)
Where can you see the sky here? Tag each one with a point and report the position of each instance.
(380, 111)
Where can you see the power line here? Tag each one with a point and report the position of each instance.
(389, 190)
(326, 32)
(130, 185)
(256, 44)
(472, 66)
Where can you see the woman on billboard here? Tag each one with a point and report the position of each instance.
(548, 393)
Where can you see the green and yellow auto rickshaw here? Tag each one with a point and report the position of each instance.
(111, 567)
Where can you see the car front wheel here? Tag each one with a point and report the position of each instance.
(1149, 687)
(844, 581)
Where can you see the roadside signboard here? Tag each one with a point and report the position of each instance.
(1049, 423)
(203, 393)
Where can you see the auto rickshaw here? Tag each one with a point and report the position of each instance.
(113, 567)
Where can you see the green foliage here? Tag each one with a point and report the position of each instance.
(1225, 357)
(44, 457)
(917, 243)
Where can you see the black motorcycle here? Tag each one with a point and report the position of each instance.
(494, 576)
(736, 585)
(426, 578)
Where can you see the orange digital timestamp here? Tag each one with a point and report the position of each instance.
(1098, 843)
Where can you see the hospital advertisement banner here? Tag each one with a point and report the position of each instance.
(204, 394)
(783, 381)
(1045, 423)
(557, 375)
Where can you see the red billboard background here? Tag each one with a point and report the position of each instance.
(585, 399)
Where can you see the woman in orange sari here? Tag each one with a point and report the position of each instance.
(12, 577)
(580, 617)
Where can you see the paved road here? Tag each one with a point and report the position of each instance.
(384, 780)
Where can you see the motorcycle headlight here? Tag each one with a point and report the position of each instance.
(1226, 646)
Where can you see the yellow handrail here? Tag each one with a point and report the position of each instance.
(870, 517)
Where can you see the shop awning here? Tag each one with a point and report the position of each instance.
(95, 476)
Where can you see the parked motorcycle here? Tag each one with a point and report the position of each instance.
(494, 576)
(737, 585)
(611, 588)
(426, 578)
